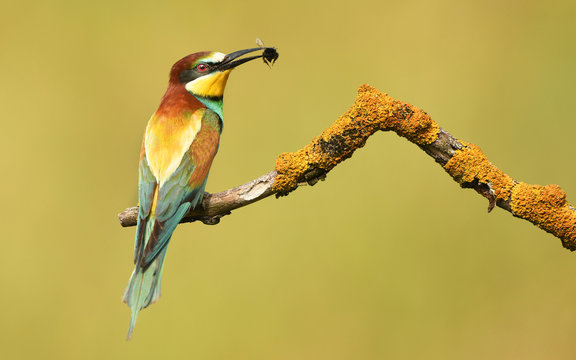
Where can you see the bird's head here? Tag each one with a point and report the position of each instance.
(204, 74)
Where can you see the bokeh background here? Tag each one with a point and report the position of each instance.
(388, 258)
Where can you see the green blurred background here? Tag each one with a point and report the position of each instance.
(388, 258)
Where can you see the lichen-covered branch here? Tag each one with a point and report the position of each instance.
(544, 206)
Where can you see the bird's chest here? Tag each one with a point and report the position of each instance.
(167, 140)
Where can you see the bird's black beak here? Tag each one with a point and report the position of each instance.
(231, 60)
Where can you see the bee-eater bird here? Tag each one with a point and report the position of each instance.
(180, 142)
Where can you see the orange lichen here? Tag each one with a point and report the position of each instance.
(469, 164)
(371, 112)
(291, 165)
(546, 207)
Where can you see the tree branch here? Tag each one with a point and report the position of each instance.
(544, 206)
(214, 206)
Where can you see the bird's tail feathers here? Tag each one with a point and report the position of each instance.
(143, 288)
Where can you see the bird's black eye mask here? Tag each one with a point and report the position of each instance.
(199, 69)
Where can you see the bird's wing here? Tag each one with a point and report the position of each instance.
(147, 186)
(182, 189)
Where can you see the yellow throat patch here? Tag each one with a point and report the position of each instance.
(211, 85)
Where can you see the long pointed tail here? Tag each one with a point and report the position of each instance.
(143, 288)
